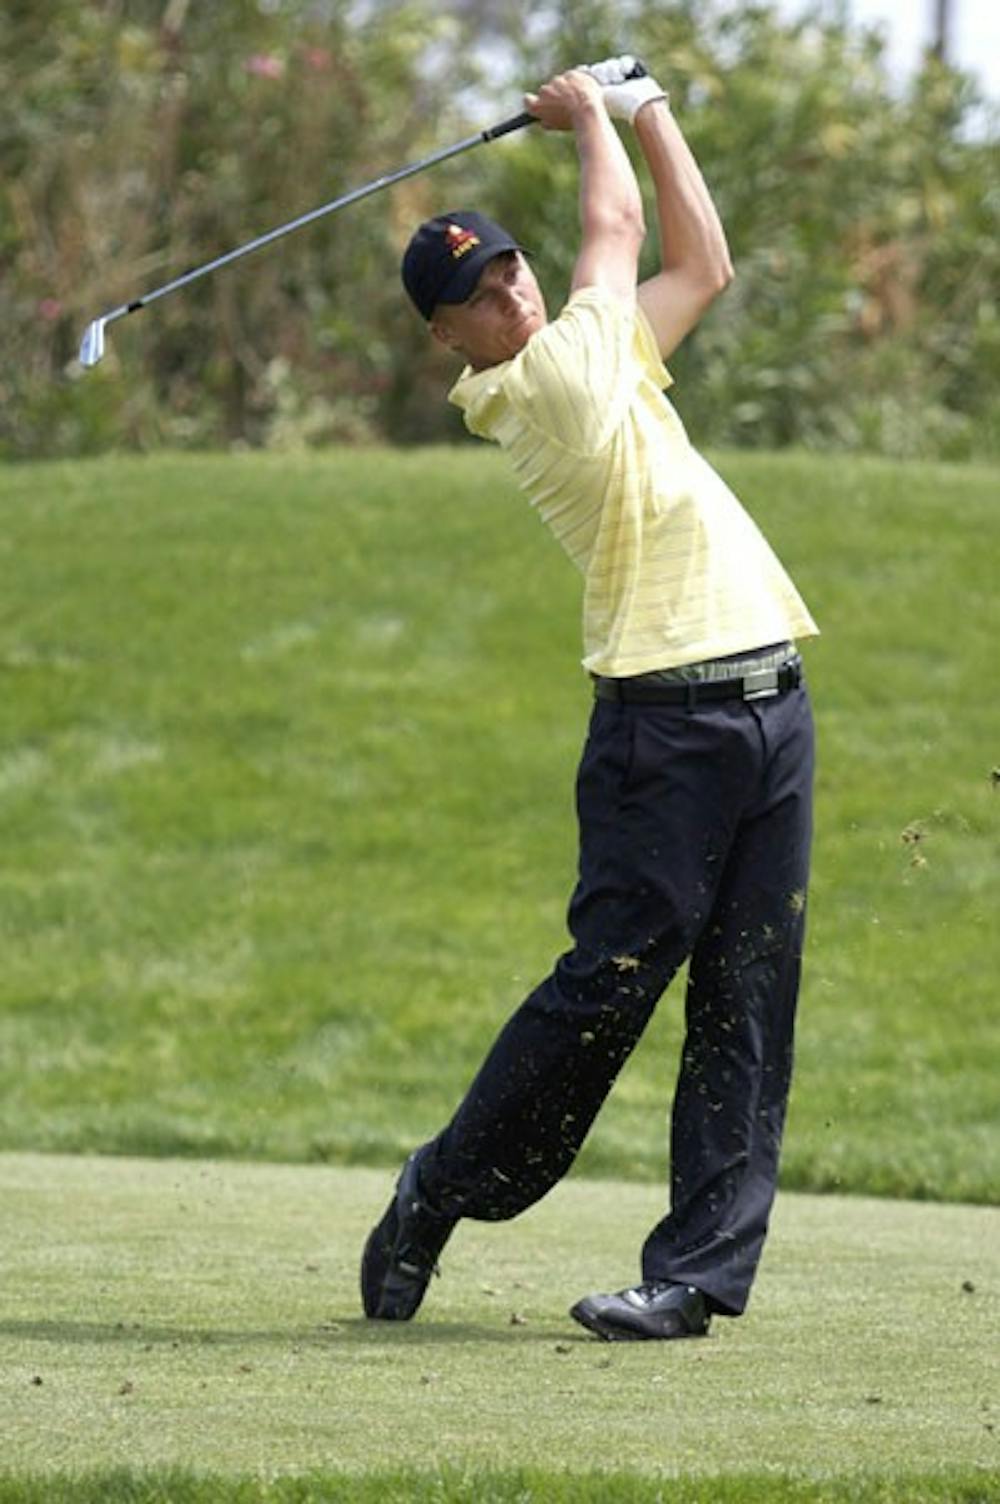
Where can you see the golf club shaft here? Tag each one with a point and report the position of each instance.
(516, 122)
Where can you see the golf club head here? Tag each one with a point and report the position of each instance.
(92, 345)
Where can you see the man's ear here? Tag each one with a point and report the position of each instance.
(443, 334)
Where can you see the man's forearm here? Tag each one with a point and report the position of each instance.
(610, 200)
(692, 239)
(609, 193)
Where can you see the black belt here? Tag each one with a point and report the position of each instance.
(761, 684)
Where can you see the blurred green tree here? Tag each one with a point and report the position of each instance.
(864, 228)
(139, 137)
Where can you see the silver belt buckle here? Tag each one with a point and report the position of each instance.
(760, 685)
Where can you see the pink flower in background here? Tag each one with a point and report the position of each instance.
(317, 58)
(50, 309)
(265, 65)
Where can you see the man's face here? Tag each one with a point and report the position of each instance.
(498, 318)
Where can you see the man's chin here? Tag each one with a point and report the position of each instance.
(523, 332)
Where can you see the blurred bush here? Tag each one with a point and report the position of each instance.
(138, 139)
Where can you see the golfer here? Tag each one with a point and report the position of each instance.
(694, 789)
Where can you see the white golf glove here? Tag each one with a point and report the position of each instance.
(625, 95)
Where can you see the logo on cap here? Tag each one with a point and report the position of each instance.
(460, 241)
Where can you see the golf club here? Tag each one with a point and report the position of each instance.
(92, 345)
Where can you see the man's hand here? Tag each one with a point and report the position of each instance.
(561, 102)
(624, 93)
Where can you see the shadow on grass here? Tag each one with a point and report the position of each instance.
(353, 1330)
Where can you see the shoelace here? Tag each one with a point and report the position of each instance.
(650, 1288)
(409, 1262)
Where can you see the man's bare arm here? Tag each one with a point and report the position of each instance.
(611, 214)
(694, 256)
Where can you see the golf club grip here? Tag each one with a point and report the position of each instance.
(518, 122)
(515, 123)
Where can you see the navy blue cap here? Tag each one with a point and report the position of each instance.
(445, 257)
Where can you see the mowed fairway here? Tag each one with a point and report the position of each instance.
(205, 1316)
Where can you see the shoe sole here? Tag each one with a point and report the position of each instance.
(374, 1267)
(389, 1292)
(391, 1289)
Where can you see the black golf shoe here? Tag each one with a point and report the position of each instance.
(402, 1252)
(658, 1309)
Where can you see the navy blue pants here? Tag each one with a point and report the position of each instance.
(695, 829)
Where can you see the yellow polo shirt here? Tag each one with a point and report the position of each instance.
(674, 569)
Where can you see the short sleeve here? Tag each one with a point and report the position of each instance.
(576, 378)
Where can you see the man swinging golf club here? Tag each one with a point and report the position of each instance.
(694, 788)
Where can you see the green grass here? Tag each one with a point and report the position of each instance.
(286, 760)
(203, 1317)
(487, 1486)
